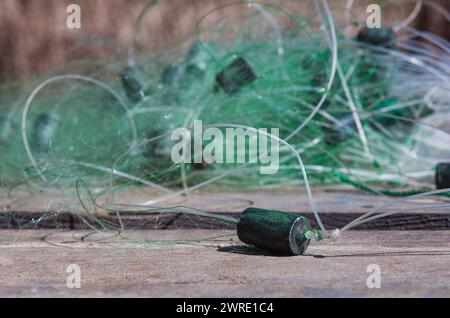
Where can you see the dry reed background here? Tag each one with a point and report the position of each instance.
(34, 37)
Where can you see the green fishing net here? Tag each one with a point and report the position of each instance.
(363, 109)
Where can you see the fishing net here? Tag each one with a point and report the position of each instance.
(365, 107)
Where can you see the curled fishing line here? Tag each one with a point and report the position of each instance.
(368, 114)
(362, 219)
(300, 162)
(273, 22)
(264, 10)
(348, 15)
(437, 41)
(299, 223)
(111, 171)
(137, 29)
(412, 16)
(183, 181)
(436, 6)
(249, 213)
(289, 102)
(92, 214)
(433, 91)
(410, 60)
(407, 43)
(351, 103)
(331, 79)
(279, 35)
(64, 78)
(419, 209)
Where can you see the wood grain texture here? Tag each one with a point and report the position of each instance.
(337, 206)
(33, 264)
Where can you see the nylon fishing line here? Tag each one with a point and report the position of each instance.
(361, 106)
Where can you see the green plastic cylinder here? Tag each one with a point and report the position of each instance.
(275, 231)
(135, 83)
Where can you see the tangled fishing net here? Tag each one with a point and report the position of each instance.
(366, 108)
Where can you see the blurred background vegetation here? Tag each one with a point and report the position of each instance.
(34, 37)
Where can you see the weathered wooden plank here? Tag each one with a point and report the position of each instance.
(328, 199)
(34, 263)
(337, 207)
(180, 221)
